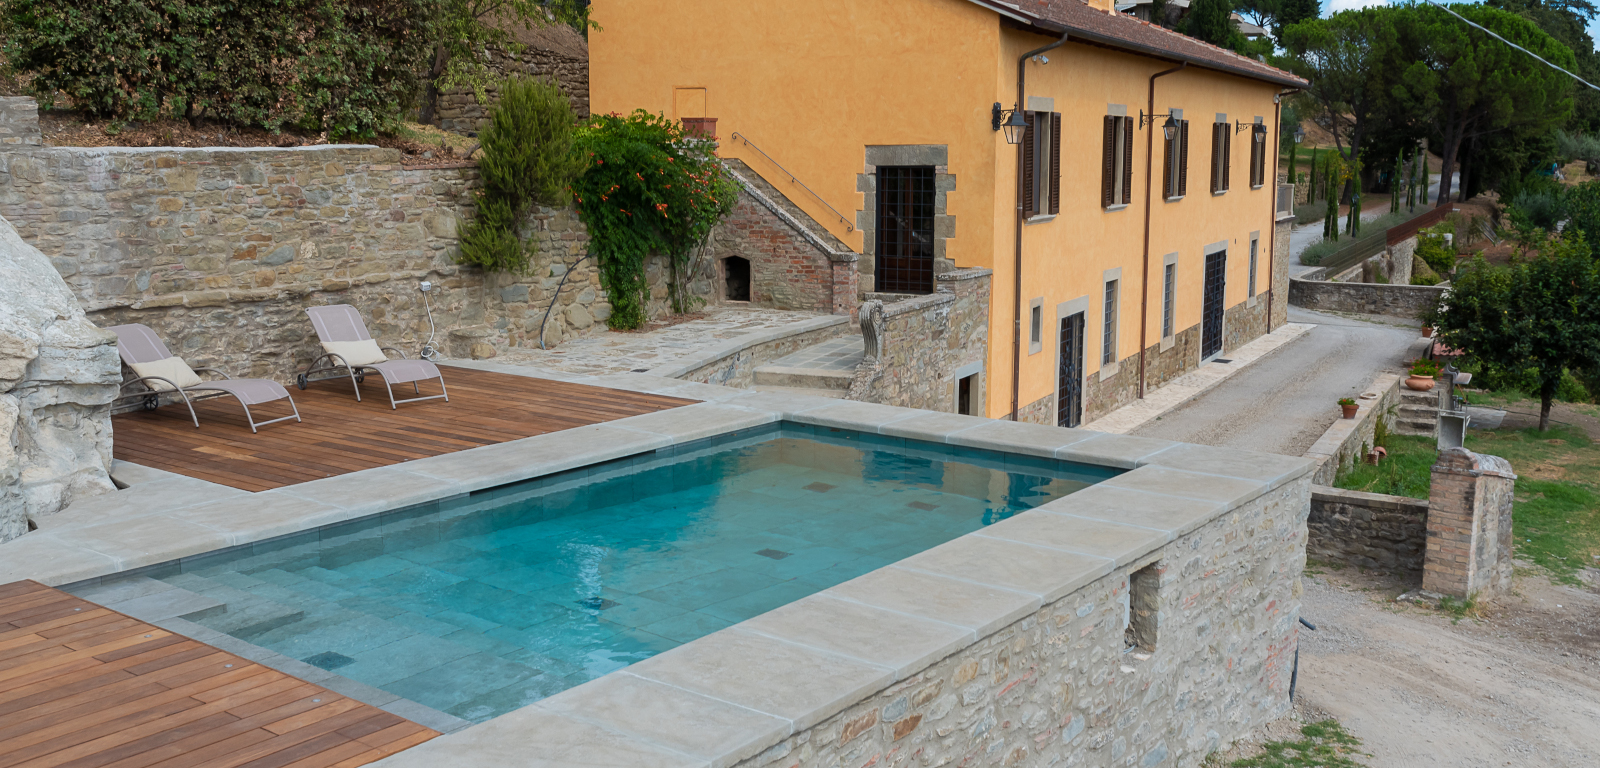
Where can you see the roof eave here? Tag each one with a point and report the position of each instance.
(1056, 28)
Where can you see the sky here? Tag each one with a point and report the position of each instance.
(1334, 6)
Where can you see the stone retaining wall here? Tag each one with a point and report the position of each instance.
(1365, 298)
(460, 111)
(1344, 442)
(1368, 530)
(925, 340)
(1061, 687)
(220, 250)
(737, 367)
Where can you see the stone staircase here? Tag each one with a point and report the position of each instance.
(822, 370)
(1417, 413)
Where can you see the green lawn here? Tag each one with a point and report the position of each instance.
(1556, 517)
(1324, 744)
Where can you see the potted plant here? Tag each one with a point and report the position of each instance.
(1348, 405)
(1422, 371)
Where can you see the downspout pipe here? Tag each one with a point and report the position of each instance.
(1277, 165)
(1149, 190)
(1016, 267)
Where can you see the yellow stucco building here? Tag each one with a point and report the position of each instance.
(1137, 256)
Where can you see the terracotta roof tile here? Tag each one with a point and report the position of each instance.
(1124, 31)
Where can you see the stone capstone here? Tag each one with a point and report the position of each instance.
(58, 376)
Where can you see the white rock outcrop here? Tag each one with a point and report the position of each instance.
(58, 376)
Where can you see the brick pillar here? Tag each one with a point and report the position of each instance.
(1469, 525)
(846, 293)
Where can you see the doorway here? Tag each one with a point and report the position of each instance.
(736, 278)
(1211, 306)
(904, 257)
(1069, 376)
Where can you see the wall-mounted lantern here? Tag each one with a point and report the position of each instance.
(1168, 128)
(1299, 134)
(1261, 133)
(1009, 119)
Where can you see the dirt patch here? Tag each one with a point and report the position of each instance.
(1419, 686)
(66, 128)
(1525, 415)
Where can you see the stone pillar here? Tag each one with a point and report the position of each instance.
(1469, 525)
(846, 287)
(1403, 254)
(1278, 313)
(19, 121)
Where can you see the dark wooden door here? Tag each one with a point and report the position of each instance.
(1211, 307)
(904, 243)
(1069, 376)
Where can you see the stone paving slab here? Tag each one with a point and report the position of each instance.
(840, 355)
(672, 350)
(1191, 385)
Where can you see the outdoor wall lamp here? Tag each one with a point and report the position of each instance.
(1299, 134)
(1168, 128)
(1013, 123)
(1261, 133)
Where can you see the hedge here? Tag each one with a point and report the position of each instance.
(348, 67)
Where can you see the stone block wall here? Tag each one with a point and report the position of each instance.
(1365, 298)
(1243, 323)
(1278, 298)
(925, 340)
(19, 121)
(459, 110)
(1469, 546)
(1060, 687)
(1401, 257)
(1368, 530)
(219, 250)
(1346, 440)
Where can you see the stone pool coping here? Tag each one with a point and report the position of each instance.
(725, 697)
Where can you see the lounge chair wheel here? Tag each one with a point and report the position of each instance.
(361, 378)
(152, 402)
(300, 381)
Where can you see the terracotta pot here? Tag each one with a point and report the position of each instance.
(1427, 332)
(1349, 410)
(1419, 383)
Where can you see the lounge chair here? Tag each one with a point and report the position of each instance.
(158, 370)
(347, 344)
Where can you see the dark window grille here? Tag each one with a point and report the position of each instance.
(1108, 342)
(905, 229)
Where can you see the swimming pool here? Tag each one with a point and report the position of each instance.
(486, 603)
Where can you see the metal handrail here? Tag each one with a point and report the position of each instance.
(847, 225)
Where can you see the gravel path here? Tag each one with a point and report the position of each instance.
(1285, 402)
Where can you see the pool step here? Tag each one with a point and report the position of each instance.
(837, 394)
(245, 615)
(802, 378)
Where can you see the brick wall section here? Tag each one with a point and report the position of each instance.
(1469, 546)
(1368, 530)
(1058, 688)
(925, 340)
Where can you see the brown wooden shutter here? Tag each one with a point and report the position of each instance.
(1216, 157)
(1127, 160)
(1029, 205)
(1227, 155)
(1183, 158)
(1108, 162)
(1055, 163)
(1169, 176)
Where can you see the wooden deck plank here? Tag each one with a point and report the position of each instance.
(104, 690)
(340, 435)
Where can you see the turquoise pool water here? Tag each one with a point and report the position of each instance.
(483, 604)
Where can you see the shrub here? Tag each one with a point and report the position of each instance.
(1577, 146)
(1432, 251)
(1310, 212)
(1316, 252)
(648, 187)
(348, 67)
(1542, 208)
(1422, 274)
(528, 158)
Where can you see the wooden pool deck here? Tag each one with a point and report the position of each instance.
(82, 686)
(340, 435)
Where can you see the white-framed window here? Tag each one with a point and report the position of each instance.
(1108, 341)
(1255, 245)
(1036, 325)
(1169, 295)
